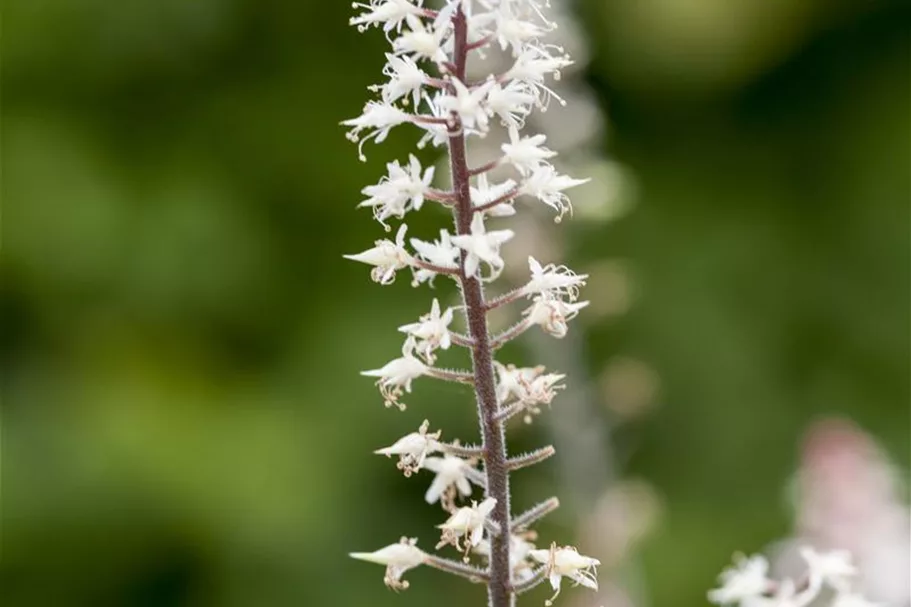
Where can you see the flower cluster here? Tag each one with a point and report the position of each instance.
(747, 583)
(426, 85)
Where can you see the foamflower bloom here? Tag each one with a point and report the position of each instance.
(552, 314)
(386, 257)
(431, 331)
(388, 13)
(451, 472)
(748, 578)
(468, 522)
(526, 154)
(441, 253)
(401, 190)
(482, 246)
(558, 281)
(395, 377)
(398, 558)
(413, 448)
(545, 184)
(566, 562)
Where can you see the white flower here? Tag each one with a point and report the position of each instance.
(432, 331)
(485, 193)
(396, 376)
(439, 253)
(390, 13)
(420, 42)
(747, 579)
(542, 389)
(405, 78)
(484, 246)
(468, 522)
(519, 550)
(436, 133)
(413, 448)
(552, 313)
(567, 562)
(530, 387)
(514, 381)
(468, 103)
(532, 64)
(379, 117)
(451, 471)
(526, 153)
(833, 568)
(511, 31)
(558, 281)
(399, 191)
(398, 559)
(386, 256)
(547, 185)
(512, 102)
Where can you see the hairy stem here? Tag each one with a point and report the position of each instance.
(499, 584)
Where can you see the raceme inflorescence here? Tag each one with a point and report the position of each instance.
(427, 87)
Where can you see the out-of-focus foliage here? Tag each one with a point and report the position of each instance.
(182, 422)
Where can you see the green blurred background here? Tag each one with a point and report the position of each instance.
(183, 424)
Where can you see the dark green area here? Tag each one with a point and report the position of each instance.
(182, 419)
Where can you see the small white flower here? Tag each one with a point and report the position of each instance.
(484, 193)
(390, 13)
(558, 281)
(379, 117)
(439, 253)
(552, 314)
(511, 31)
(413, 449)
(396, 375)
(420, 42)
(542, 389)
(567, 562)
(399, 191)
(833, 568)
(746, 580)
(468, 103)
(511, 102)
(469, 522)
(398, 558)
(526, 153)
(532, 64)
(405, 78)
(432, 331)
(529, 387)
(547, 185)
(437, 134)
(386, 256)
(451, 471)
(519, 550)
(514, 381)
(482, 245)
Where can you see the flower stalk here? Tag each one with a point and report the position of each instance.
(450, 109)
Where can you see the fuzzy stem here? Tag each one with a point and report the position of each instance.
(499, 585)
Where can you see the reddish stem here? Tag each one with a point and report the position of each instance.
(499, 585)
